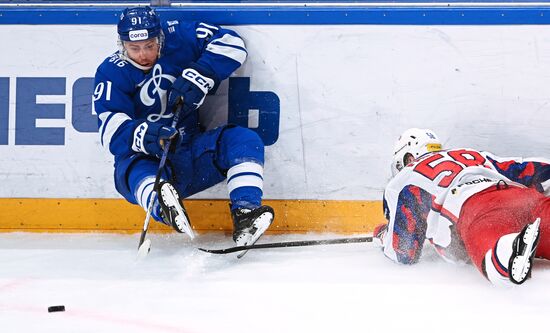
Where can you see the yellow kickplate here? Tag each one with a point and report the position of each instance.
(118, 216)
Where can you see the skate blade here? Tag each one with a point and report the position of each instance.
(520, 268)
(186, 226)
(532, 232)
(521, 264)
(183, 221)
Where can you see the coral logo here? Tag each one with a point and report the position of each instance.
(139, 35)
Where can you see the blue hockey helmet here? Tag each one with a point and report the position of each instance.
(138, 23)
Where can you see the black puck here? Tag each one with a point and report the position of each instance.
(56, 308)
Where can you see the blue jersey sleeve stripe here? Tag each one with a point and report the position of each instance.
(230, 46)
(228, 39)
(208, 26)
(228, 51)
(111, 125)
(104, 118)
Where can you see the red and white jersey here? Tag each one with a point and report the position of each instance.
(423, 201)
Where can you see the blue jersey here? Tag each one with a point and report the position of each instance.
(125, 95)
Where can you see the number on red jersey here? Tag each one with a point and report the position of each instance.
(449, 162)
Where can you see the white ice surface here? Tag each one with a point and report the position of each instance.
(332, 288)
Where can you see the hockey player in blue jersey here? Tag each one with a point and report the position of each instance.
(136, 91)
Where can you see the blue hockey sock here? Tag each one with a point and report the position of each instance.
(246, 197)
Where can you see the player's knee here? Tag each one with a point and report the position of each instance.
(240, 144)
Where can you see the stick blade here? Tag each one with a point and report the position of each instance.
(210, 250)
(144, 249)
(222, 251)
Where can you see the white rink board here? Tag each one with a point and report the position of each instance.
(346, 92)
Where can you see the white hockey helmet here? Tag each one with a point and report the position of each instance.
(412, 144)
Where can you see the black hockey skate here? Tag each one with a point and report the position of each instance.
(249, 225)
(172, 211)
(523, 253)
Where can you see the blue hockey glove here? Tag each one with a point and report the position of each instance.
(192, 86)
(149, 138)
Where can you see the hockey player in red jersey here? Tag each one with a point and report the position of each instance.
(470, 205)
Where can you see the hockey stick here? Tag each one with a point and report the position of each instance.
(290, 244)
(145, 244)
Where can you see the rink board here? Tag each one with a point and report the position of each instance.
(115, 215)
(328, 100)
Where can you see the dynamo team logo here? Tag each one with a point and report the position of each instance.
(152, 90)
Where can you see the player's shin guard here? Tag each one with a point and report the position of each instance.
(511, 260)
